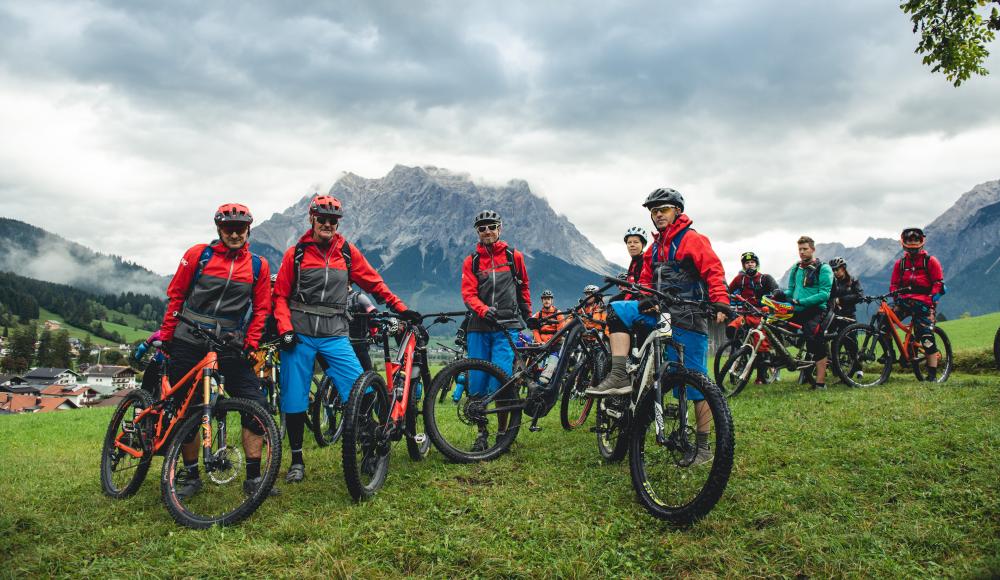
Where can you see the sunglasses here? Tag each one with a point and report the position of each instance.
(326, 220)
(488, 227)
(235, 228)
(661, 209)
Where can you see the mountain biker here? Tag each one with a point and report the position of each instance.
(809, 285)
(214, 286)
(683, 259)
(545, 330)
(495, 288)
(635, 243)
(922, 275)
(846, 291)
(311, 307)
(750, 283)
(594, 308)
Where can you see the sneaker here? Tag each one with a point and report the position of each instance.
(701, 456)
(187, 485)
(611, 385)
(251, 485)
(818, 386)
(296, 473)
(482, 442)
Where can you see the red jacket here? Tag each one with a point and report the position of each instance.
(324, 280)
(920, 271)
(224, 291)
(694, 246)
(494, 285)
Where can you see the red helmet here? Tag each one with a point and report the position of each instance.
(233, 213)
(325, 205)
(912, 238)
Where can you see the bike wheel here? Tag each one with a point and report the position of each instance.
(736, 372)
(366, 437)
(674, 478)
(722, 354)
(326, 413)
(418, 444)
(576, 404)
(122, 473)
(469, 430)
(228, 496)
(873, 358)
(613, 420)
(996, 348)
(945, 361)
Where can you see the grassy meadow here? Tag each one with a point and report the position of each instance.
(898, 480)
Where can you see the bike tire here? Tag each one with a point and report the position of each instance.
(418, 444)
(947, 358)
(366, 455)
(613, 432)
(451, 436)
(183, 510)
(996, 348)
(111, 456)
(587, 374)
(722, 354)
(732, 385)
(326, 414)
(874, 357)
(647, 473)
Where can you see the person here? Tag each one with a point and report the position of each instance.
(495, 288)
(360, 307)
(635, 244)
(809, 285)
(311, 308)
(548, 311)
(750, 283)
(920, 278)
(682, 260)
(214, 286)
(847, 291)
(594, 308)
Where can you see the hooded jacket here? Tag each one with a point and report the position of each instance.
(494, 285)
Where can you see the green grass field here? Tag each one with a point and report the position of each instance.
(130, 334)
(972, 333)
(893, 481)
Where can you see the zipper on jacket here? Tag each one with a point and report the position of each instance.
(326, 280)
(218, 302)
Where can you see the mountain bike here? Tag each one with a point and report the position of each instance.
(768, 343)
(323, 415)
(655, 425)
(589, 363)
(142, 427)
(378, 415)
(461, 430)
(996, 348)
(746, 317)
(885, 340)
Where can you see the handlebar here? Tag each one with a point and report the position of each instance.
(668, 299)
(882, 297)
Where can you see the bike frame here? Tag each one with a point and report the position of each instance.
(886, 321)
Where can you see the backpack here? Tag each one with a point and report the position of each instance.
(811, 277)
(672, 250)
(206, 255)
(518, 282)
(300, 252)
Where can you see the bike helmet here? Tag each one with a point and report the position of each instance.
(912, 238)
(838, 262)
(326, 205)
(589, 289)
(747, 256)
(546, 294)
(233, 213)
(664, 196)
(636, 231)
(487, 216)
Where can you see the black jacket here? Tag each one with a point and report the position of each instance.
(849, 292)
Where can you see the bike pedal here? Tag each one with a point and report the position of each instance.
(534, 428)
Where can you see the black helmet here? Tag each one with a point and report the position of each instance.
(636, 231)
(546, 294)
(838, 262)
(487, 216)
(747, 256)
(664, 196)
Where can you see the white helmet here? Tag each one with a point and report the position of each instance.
(636, 231)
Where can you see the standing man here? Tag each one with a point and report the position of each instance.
(310, 305)
(215, 286)
(682, 260)
(809, 285)
(923, 275)
(495, 288)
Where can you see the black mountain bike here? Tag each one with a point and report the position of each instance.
(482, 425)
(588, 364)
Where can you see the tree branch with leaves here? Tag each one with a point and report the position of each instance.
(954, 34)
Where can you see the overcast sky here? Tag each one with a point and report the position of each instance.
(124, 124)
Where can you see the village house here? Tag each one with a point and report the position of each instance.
(11, 403)
(107, 379)
(44, 376)
(79, 394)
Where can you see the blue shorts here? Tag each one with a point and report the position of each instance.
(297, 369)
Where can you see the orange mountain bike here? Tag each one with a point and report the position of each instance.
(143, 427)
(884, 341)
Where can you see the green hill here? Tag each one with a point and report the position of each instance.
(972, 333)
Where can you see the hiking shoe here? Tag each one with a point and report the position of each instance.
(699, 455)
(187, 485)
(296, 473)
(611, 385)
(482, 442)
(251, 485)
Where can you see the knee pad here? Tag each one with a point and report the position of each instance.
(615, 324)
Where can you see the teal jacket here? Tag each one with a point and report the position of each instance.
(812, 292)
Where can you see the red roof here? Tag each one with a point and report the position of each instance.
(49, 404)
(66, 390)
(17, 403)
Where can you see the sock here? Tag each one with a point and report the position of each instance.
(296, 424)
(192, 469)
(701, 439)
(618, 365)
(253, 468)
(932, 374)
